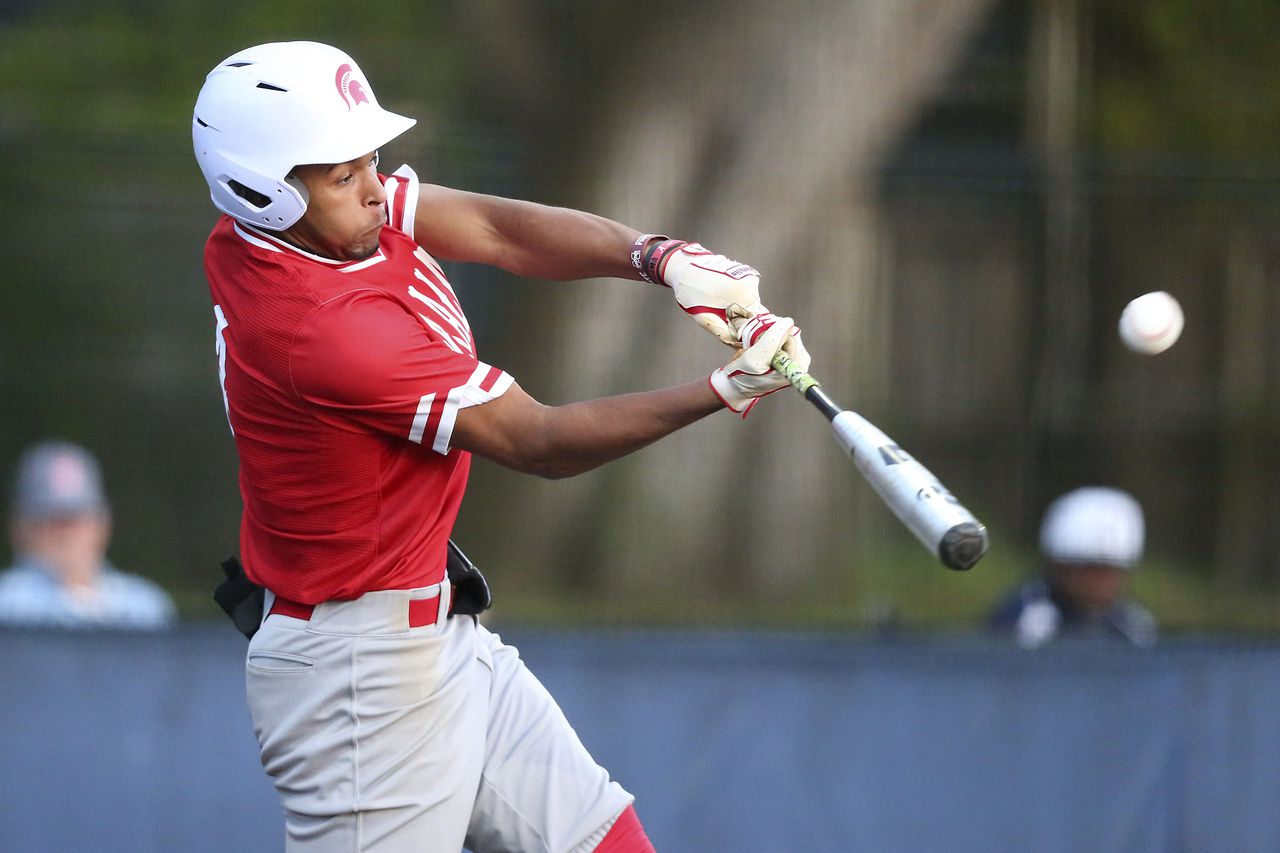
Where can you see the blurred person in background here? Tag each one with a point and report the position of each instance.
(59, 527)
(1090, 541)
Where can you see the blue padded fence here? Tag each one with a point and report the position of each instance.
(731, 742)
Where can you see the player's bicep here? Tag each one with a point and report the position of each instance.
(507, 430)
(457, 226)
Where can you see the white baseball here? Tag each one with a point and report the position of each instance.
(1151, 323)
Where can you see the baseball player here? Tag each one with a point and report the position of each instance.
(1091, 540)
(356, 397)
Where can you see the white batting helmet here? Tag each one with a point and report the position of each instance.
(269, 108)
(1094, 524)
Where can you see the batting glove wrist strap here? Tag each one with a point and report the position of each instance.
(638, 255)
(655, 258)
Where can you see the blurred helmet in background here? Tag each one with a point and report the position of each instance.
(269, 108)
(1093, 524)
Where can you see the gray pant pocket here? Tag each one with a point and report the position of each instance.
(267, 661)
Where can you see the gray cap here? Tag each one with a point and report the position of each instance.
(57, 478)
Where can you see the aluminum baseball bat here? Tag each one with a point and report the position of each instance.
(917, 498)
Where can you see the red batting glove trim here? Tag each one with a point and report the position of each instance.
(726, 403)
(706, 309)
(756, 327)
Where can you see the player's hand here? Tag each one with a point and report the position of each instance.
(750, 375)
(748, 327)
(706, 284)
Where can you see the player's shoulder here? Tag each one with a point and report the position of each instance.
(28, 596)
(357, 316)
(22, 577)
(236, 254)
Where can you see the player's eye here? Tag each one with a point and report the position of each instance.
(346, 179)
(373, 163)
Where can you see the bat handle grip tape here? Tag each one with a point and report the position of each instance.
(800, 380)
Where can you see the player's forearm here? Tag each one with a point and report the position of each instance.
(560, 441)
(581, 436)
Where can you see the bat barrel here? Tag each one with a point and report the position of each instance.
(963, 545)
(914, 495)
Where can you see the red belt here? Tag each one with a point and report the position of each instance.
(422, 611)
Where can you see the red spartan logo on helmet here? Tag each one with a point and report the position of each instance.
(351, 89)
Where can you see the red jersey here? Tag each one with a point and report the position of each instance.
(342, 381)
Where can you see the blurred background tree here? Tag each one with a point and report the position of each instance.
(954, 198)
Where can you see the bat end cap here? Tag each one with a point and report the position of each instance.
(963, 545)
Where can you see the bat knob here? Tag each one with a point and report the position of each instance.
(963, 545)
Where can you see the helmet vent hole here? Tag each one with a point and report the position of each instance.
(238, 64)
(201, 122)
(269, 87)
(252, 196)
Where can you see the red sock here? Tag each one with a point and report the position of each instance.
(626, 835)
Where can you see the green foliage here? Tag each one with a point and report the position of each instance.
(1187, 77)
(85, 68)
(105, 327)
(896, 591)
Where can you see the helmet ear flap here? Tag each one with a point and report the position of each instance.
(274, 205)
(294, 181)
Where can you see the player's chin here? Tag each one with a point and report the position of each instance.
(366, 246)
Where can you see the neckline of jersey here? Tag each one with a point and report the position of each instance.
(275, 244)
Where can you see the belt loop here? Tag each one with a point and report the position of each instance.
(446, 603)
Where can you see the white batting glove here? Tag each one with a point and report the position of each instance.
(706, 284)
(750, 375)
(749, 328)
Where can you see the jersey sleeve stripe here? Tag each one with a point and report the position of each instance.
(486, 383)
(397, 216)
(420, 419)
(491, 379)
(408, 205)
(392, 186)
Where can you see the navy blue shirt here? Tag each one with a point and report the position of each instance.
(1034, 614)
